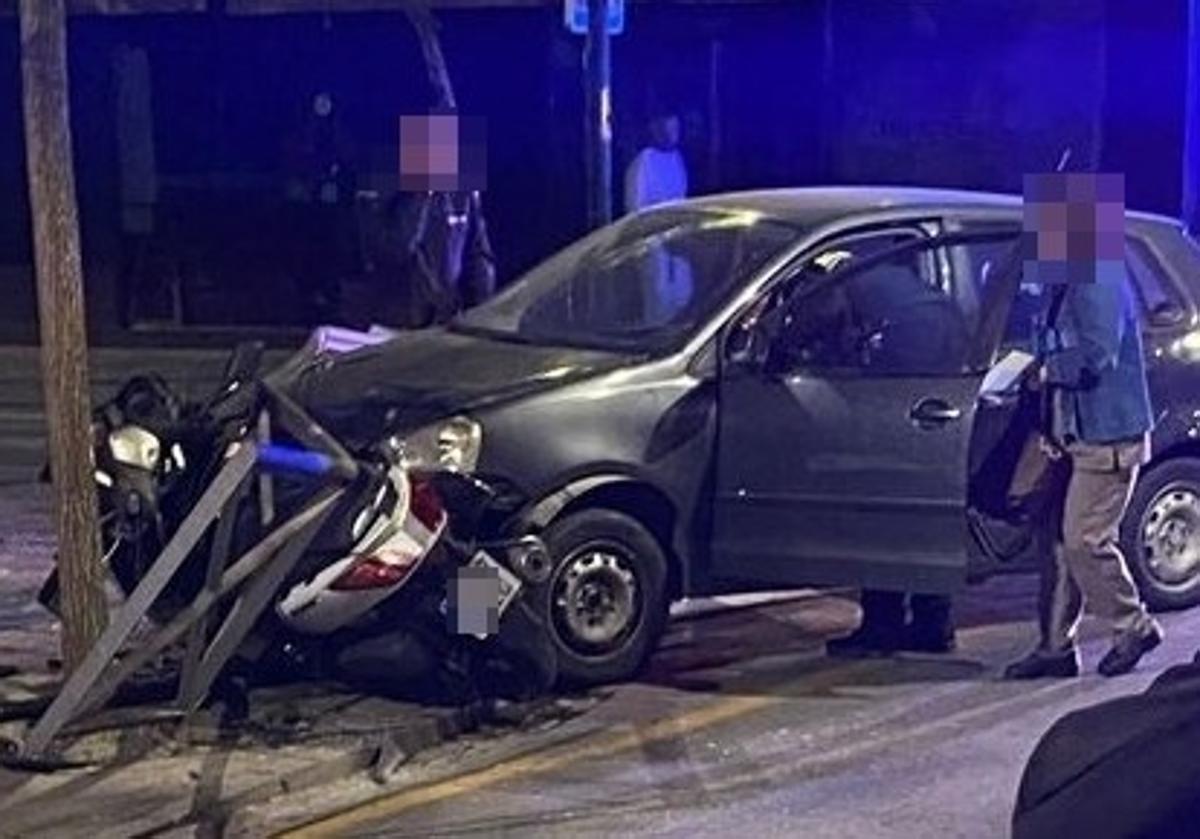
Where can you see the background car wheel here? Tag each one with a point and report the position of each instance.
(605, 602)
(1161, 535)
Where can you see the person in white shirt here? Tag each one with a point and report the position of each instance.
(658, 175)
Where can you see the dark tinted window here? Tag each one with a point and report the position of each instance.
(1156, 295)
(643, 284)
(982, 261)
(889, 318)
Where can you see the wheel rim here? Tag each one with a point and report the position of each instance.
(1171, 536)
(595, 598)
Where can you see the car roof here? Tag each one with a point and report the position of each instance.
(813, 206)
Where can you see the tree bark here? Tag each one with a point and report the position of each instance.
(1191, 141)
(61, 317)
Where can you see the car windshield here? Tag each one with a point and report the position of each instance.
(643, 284)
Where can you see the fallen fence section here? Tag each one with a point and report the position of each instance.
(253, 577)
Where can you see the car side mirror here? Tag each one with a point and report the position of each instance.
(748, 346)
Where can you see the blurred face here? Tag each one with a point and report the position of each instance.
(665, 132)
(1073, 222)
(442, 153)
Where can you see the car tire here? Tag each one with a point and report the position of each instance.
(605, 601)
(1160, 535)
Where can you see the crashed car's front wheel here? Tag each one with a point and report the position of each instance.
(606, 598)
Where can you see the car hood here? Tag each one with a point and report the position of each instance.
(423, 376)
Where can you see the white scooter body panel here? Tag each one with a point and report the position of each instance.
(315, 607)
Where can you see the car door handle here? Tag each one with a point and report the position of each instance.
(930, 411)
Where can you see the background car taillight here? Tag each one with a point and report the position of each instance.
(371, 572)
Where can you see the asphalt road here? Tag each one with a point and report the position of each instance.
(743, 727)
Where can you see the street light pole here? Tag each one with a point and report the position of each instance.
(1191, 123)
(61, 319)
(598, 127)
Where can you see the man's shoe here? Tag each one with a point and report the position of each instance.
(917, 640)
(865, 642)
(1128, 650)
(1041, 664)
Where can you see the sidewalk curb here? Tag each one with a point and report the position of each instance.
(315, 761)
(361, 752)
(227, 813)
(706, 607)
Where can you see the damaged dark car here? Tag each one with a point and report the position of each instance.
(804, 387)
(798, 387)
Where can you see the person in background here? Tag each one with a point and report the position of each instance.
(445, 261)
(446, 255)
(921, 335)
(658, 173)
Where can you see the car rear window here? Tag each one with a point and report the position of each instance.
(1162, 303)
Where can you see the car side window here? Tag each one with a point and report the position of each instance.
(980, 260)
(890, 317)
(658, 276)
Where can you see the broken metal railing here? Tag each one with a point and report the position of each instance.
(253, 577)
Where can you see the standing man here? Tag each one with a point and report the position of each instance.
(446, 259)
(1096, 420)
(658, 173)
(895, 621)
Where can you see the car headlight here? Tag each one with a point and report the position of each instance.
(132, 445)
(453, 444)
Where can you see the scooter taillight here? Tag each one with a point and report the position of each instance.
(371, 572)
(426, 504)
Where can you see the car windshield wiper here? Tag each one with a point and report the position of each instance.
(542, 339)
(608, 344)
(461, 328)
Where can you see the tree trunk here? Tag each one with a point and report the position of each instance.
(61, 318)
(1191, 142)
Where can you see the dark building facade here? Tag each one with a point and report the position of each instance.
(771, 94)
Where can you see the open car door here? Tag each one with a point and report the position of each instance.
(847, 403)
